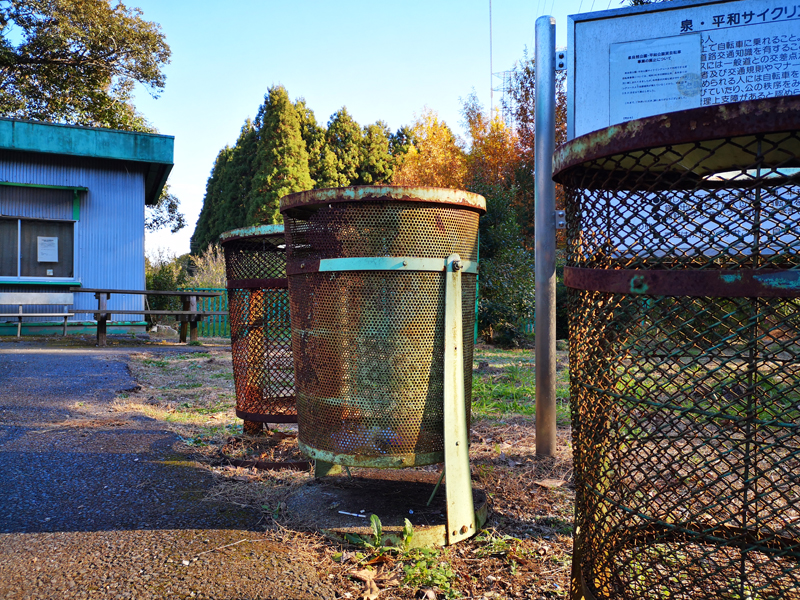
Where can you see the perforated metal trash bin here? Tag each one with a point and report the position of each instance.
(258, 308)
(683, 263)
(366, 281)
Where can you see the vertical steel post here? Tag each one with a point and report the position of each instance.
(545, 321)
(458, 483)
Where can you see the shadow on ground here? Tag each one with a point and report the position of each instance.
(95, 503)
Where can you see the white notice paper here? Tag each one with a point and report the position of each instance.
(47, 249)
(653, 77)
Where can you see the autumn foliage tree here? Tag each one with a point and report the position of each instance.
(436, 157)
(520, 103)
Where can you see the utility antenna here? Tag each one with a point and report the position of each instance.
(491, 81)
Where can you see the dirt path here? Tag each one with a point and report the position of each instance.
(95, 503)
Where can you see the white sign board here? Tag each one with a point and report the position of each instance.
(721, 52)
(654, 76)
(47, 249)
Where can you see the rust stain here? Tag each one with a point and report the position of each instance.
(314, 198)
(768, 116)
(439, 224)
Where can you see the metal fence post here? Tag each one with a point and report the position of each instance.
(545, 271)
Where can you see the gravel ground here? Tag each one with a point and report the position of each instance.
(95, 503)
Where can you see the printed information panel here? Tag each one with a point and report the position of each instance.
(47, 249)
(642, 61)
(654, 76)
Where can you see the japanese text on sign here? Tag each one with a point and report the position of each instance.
(654, 76)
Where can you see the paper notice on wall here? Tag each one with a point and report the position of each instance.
(653, 77)
(47, 248)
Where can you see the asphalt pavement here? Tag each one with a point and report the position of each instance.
(100, 504)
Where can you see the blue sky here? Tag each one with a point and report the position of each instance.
(383, 60)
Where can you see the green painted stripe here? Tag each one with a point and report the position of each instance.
(391, 263)
(72, 188)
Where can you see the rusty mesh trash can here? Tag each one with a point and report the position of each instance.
(258, 309)
(366, 281)
(683, 263)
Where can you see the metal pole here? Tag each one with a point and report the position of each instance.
(545, 61)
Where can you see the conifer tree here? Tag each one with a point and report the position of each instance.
(227, 190)
(377, 164)
(212, 204)
(321, 160)
(344, 137)
(281, 161)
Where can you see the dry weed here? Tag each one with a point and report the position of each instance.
(524, 550)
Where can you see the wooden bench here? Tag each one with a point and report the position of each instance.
(190, 316)
(31, 298)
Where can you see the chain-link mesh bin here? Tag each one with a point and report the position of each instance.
(367, 288)
(683, 237)
(258, 309)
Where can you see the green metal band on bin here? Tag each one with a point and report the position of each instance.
(391, 263)
(390, 461)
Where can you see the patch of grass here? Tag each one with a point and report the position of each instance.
(511, 391)
(155, 363)
(504, 383)
(191, 356)
(494, 544)
(425, 567)
(189, 386)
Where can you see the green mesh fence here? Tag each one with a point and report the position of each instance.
(215, 325)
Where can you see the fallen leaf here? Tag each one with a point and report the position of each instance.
(550, 483)
(390, 581)
(371, 591)
(364, 575)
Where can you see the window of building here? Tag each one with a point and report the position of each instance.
(33, 248)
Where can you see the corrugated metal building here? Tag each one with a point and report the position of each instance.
(87, 187)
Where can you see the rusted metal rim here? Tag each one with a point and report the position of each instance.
(743, 119)
(383, 193)
(262, 418)
(251, 232)
(389, 461)
(277, 283)
(740, 283)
